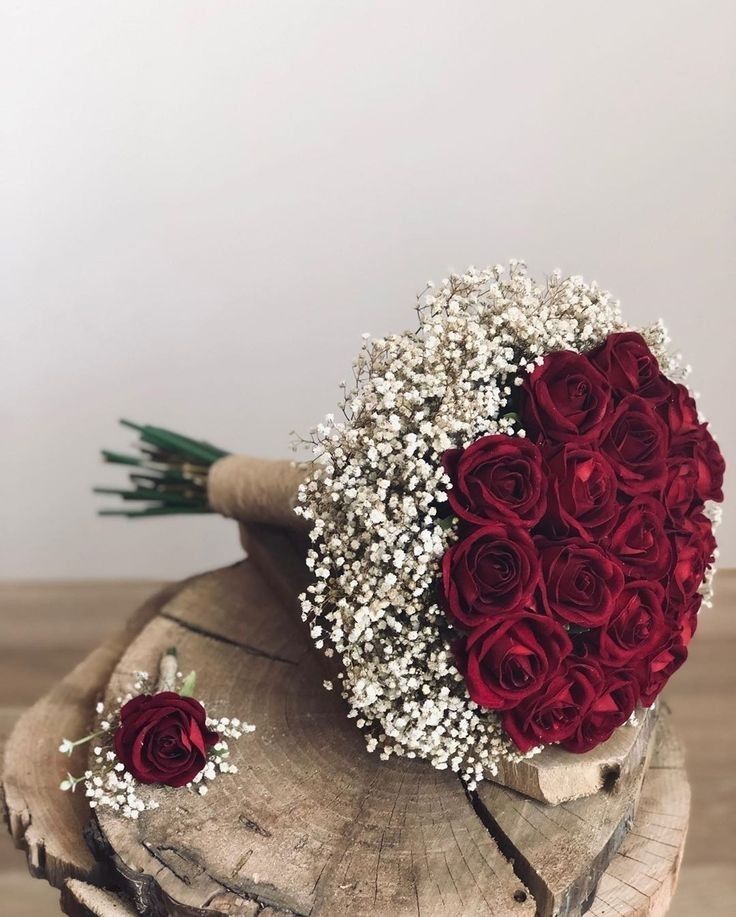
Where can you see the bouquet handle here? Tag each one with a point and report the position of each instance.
(254, 490)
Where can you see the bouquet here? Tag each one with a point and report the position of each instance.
(511, 522)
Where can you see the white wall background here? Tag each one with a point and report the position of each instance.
(204, 205)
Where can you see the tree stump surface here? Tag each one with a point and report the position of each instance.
(313, 824)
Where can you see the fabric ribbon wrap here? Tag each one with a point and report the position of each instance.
(257, 491)
(261, 494)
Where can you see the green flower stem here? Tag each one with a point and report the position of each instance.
(169, 475)
(71, 745)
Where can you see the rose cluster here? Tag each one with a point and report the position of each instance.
(582, 546)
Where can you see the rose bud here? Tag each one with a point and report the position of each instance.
(582, 495)
(640, 541)
(699, 450)
(700, 528)
(509, 657)
(497, 478)
(611, 709)
(636, 445)
(710, 467)
(630, 366)
(554, 713)
(580, 582)
(565, 400)
(493, 569)
(163, 738)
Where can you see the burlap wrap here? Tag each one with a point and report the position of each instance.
(256, 490)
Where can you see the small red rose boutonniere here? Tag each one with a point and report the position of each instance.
(164, 738)
(159, 736)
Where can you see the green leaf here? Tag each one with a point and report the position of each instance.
(189, 685)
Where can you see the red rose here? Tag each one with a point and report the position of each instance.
(630, 366)
(582, 495)
(681, 615)
(636, 626)
(639, 540)
(680, 491)
(702, 452)
(636, 445)
(693, 554)
(698, 526)
(163, 738)
(554, 713)
(497, 478)
(678, 411)
(492, 570)
(611, 709)
(654, 673)
(509, 657)
(565, 399)
(710, 466)
(580, 582)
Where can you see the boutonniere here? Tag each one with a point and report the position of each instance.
(158, 735)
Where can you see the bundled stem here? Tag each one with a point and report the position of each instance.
(168, 475)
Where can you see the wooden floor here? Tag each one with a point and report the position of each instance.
(47, 628)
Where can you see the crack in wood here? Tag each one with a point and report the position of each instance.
(230, 641)
(159, 854)
(253, 826)
(521, 866)
(149, 897)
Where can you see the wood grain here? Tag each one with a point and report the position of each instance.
(642, 876)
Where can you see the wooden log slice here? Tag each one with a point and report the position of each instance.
(313, 824)
(554, 776)
(639, 880)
